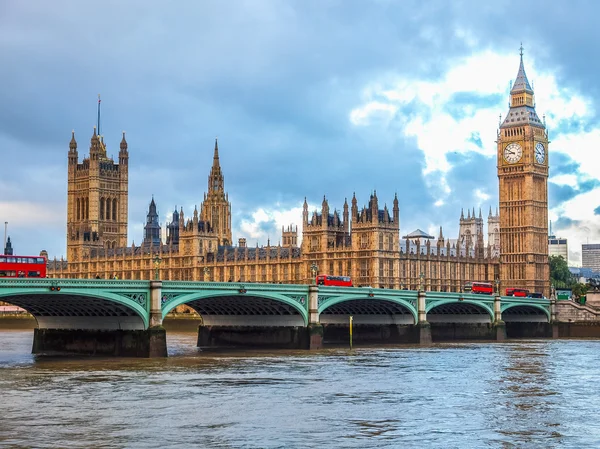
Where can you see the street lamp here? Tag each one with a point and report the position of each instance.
(206, 271)
(421, 282)
(313, 269)
(497, 282)
(157, 261)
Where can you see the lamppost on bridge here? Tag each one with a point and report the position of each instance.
(313, 269)
(206, 271)
(497, 282)
(421, 282)
(157, 261)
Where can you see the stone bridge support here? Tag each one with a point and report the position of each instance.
(157, 335)
(315, 328)
(553, 317)
(423, 326)
(499, 325)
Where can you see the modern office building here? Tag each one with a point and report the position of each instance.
(557, 246)
(590, 256)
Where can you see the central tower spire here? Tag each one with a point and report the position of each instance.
(216, 208)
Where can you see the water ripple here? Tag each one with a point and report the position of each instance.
(537, 393)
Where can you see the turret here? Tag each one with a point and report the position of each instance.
(95, 150)
(440, 241)
(152, 227)
(305, 214)
(374, 207)
(123, 153)
(354, 208)
(346, 217)
(73, 155)
(396, 211)
(8, 250)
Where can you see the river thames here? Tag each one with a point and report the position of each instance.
(516, 394)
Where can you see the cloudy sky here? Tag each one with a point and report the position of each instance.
(308, 98)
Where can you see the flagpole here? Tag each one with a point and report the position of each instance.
(98, 115)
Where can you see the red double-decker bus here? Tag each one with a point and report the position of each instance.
(517, 292)
(481, 288)
(337, 281)
(22, 266)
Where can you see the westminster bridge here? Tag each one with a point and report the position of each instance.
(123, 317)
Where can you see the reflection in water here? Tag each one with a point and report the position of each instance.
(516, 394)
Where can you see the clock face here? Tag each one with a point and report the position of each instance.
(540, 153)
(513, 153)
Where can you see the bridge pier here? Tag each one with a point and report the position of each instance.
(281, 337)
(117, 343)
(155, 306)
(315, 328)
(553, 319)
(499, 325)
(423, 327)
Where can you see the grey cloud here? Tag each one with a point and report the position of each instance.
(274, 80)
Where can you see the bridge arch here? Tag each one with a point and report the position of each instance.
(525, 312)
(74, 308)
(365, 311)
(221, 307)
(459, 311)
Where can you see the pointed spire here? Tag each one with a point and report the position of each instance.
(441, 237)
(73, 142)
(480, 213)
(521, 82)
(123, 143)
(462, 214)
(473, 212)
(216, 154)
(490, 214)
(468, 214)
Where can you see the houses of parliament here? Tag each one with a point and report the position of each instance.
(360, 241)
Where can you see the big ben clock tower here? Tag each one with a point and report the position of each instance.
(523, 181)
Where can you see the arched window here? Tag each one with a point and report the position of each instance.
(108, 208)
(102, 208)
(114, 211)
(87, 208)
(78, 209)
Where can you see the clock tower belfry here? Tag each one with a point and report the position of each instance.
(523, 192)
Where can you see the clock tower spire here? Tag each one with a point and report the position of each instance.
(523, 191)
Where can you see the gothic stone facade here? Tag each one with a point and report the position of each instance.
(364, 243)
